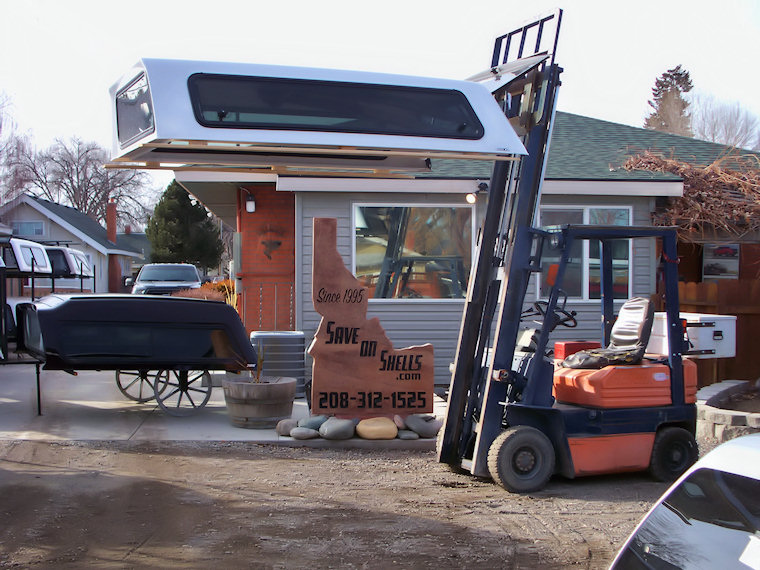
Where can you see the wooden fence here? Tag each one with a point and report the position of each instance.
(739, 297)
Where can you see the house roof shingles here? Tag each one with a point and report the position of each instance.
(86, 225)
(583, 148)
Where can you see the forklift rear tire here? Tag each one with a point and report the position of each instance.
(521, 459)
(673, 452)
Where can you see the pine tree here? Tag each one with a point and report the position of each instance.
(670, 108)
(180, 231)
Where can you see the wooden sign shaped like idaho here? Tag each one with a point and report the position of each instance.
(356, 371)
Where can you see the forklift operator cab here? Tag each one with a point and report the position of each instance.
(597, 410)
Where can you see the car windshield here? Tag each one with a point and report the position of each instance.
(711, 520)
(174, 273)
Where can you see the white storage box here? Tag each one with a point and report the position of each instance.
(710, 336)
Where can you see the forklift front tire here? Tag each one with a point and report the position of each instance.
(673, 452)
(521, 459)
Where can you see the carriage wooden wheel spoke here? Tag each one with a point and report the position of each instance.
(137, 385)
(182, 392)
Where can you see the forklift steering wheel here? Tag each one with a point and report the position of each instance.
(564, 317)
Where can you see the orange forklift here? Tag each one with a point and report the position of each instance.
(515, 412)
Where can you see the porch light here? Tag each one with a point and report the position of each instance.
(472, 197)
(250, 204)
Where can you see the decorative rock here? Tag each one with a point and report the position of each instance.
(312, 422)
(377, 428)
(399, 421)
(303, 433)
(336, 428)
(424, 424)
(285, 426)
(408, 434)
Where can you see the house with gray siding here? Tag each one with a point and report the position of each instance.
(43, 221)
(585, 182)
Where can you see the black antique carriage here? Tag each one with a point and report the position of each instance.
(159, 347)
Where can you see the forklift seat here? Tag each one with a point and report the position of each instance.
(628, 339)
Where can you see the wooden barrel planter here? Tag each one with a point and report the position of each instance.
(259, 405)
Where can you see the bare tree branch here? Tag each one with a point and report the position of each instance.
(724, 123)
(72, 172)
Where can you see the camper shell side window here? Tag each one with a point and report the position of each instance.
(230, 101)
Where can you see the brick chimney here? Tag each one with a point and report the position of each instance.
(114, 267)
(111, 220)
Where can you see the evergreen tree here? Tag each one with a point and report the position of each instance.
(670, 108)
(180, 231)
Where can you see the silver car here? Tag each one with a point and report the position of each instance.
(165, 278)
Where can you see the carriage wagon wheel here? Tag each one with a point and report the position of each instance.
(136, 385)
(182, 392)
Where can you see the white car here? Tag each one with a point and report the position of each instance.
(709, 518)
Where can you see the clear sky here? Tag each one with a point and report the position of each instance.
(58, 57)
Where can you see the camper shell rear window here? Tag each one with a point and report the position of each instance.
(134, 111)
(230, 101)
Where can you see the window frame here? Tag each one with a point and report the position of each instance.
(123, 131)
(586, 260)
(401, 203)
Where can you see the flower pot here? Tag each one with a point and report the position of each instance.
(261, 404)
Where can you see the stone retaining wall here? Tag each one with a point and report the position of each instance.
(718, 424)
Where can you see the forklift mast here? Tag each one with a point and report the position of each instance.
(508, 251)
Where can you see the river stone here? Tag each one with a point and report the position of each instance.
(408, 434)
(285, 426)
(312, 422)
(377, 428)
(424, 424)
(303, 433)
(399, 421)
(335, 428)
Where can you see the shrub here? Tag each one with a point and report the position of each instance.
(201, 293)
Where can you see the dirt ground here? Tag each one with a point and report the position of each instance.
(237, 505)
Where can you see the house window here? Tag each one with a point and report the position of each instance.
(28, 229)
(413, 252)
(582, 274)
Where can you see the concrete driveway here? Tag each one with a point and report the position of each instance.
(89, 406)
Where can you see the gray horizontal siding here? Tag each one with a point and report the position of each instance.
(420, 322)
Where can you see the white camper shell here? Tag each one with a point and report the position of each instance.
(25, 257)
(68, 262)
(180, 115)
